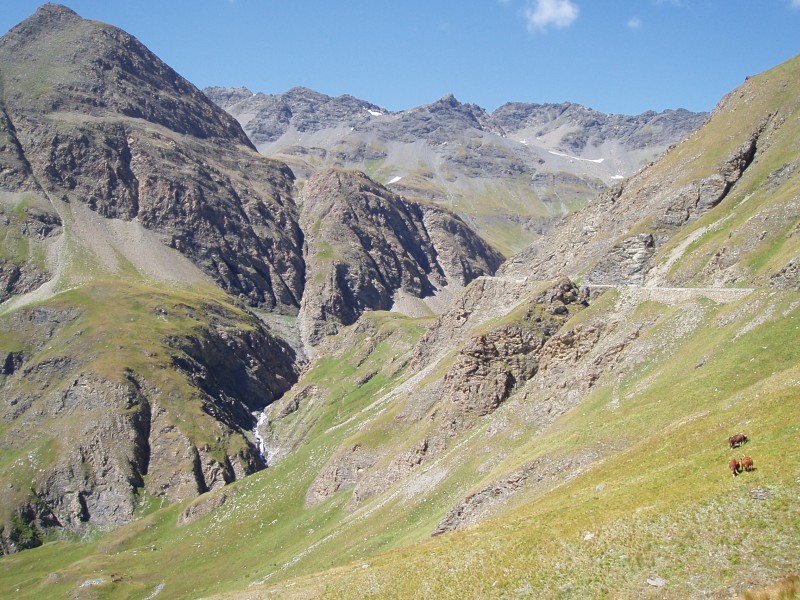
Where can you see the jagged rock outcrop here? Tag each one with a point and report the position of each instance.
(343, 471)
(582, 127)
(299, 109)
(487, 369)
(626, 262)
(484, 299)
(26, 219)
(490, 366)
(364, 244)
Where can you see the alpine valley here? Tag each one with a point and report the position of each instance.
(311, 348)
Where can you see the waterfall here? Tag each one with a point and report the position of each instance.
(261, 443)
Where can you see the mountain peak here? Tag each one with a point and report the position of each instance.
(97, 69)
(47, 17)
(52, 10)
(449, 100)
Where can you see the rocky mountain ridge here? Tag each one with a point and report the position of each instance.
(543, 161)
(368, 249)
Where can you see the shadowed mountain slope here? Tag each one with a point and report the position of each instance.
(368, 249)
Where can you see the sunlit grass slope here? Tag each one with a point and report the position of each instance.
(658, 504)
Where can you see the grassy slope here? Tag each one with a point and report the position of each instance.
(758, 217)
(265, 518)
(661, 502)
(663, 505)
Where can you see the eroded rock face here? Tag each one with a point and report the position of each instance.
(490, 366)
(93, 480)
(364, 244)
(241, 370)
(542, 473)
(626, 263)
(92, 444)
(27, 221)
(342, 471)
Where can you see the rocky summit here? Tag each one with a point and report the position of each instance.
(226, 376)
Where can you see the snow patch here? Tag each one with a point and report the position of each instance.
(593, 160)
(374, 113)
(617, 177)
(394, 179)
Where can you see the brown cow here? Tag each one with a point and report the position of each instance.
(734, 466)
(747, 463)
(737, 440)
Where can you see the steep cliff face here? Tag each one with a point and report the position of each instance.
(104, 416)
(27, 221)
(365, 245)
(491, 366)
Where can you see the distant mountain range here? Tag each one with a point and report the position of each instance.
(508, 173)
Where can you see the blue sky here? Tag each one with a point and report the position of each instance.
(612, 55)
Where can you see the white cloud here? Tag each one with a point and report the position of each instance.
(636, 22)
(558, 13)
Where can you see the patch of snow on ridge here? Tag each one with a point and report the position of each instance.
(594, 160)
(394, 179)
(374, 113)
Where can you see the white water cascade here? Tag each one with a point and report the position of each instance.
(260, 441)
